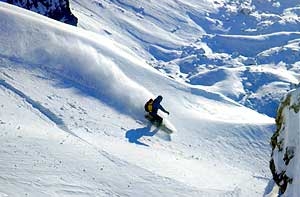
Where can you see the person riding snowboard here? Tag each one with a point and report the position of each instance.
(154, 109)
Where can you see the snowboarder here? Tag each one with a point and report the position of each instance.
(152, 106)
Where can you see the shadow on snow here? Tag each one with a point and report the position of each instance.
(134, 135)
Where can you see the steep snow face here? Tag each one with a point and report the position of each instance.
(195, 40)
(76, 59)
(285, 145)
(55, 9)
(71, 121)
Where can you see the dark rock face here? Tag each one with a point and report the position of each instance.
(55, 9)
(284, 148)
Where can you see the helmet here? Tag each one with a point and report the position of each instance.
(160, 97)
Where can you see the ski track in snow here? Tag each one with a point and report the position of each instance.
(45, 111)
(65, 189)
(50, 115)
(36, 105)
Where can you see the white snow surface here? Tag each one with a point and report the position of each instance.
(71, 118)
(199, 42)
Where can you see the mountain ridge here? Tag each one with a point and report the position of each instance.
(97, 85)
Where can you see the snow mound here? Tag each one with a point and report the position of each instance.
(73, 57)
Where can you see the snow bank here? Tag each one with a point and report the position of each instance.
(285, 162)
(250, 45)
(71, 54)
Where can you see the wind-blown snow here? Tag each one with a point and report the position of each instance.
(72, 108)
(74, 60)
(188, 38)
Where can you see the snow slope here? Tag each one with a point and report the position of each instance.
(72, 124)
(194, 40)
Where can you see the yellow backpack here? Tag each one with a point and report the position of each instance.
(148, 105)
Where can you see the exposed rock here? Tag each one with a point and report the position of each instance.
(284, 141)
(55, 9)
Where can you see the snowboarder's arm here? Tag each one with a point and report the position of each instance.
(162, 109)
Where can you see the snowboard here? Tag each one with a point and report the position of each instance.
(162, 126)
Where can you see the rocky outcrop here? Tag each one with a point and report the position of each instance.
(55, 9)
(286, 143)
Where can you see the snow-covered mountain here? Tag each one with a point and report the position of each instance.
(285, 145)
(72, 118)
(55, 9)
(253, 44)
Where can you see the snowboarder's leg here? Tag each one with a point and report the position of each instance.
(157, 119)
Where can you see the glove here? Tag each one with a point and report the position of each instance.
(168, 113)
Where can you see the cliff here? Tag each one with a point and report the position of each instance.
(285, 159)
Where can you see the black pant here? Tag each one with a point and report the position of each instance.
(156, 118)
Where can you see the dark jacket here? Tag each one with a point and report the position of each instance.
(156, 106)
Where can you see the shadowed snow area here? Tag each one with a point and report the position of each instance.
(72, 117)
